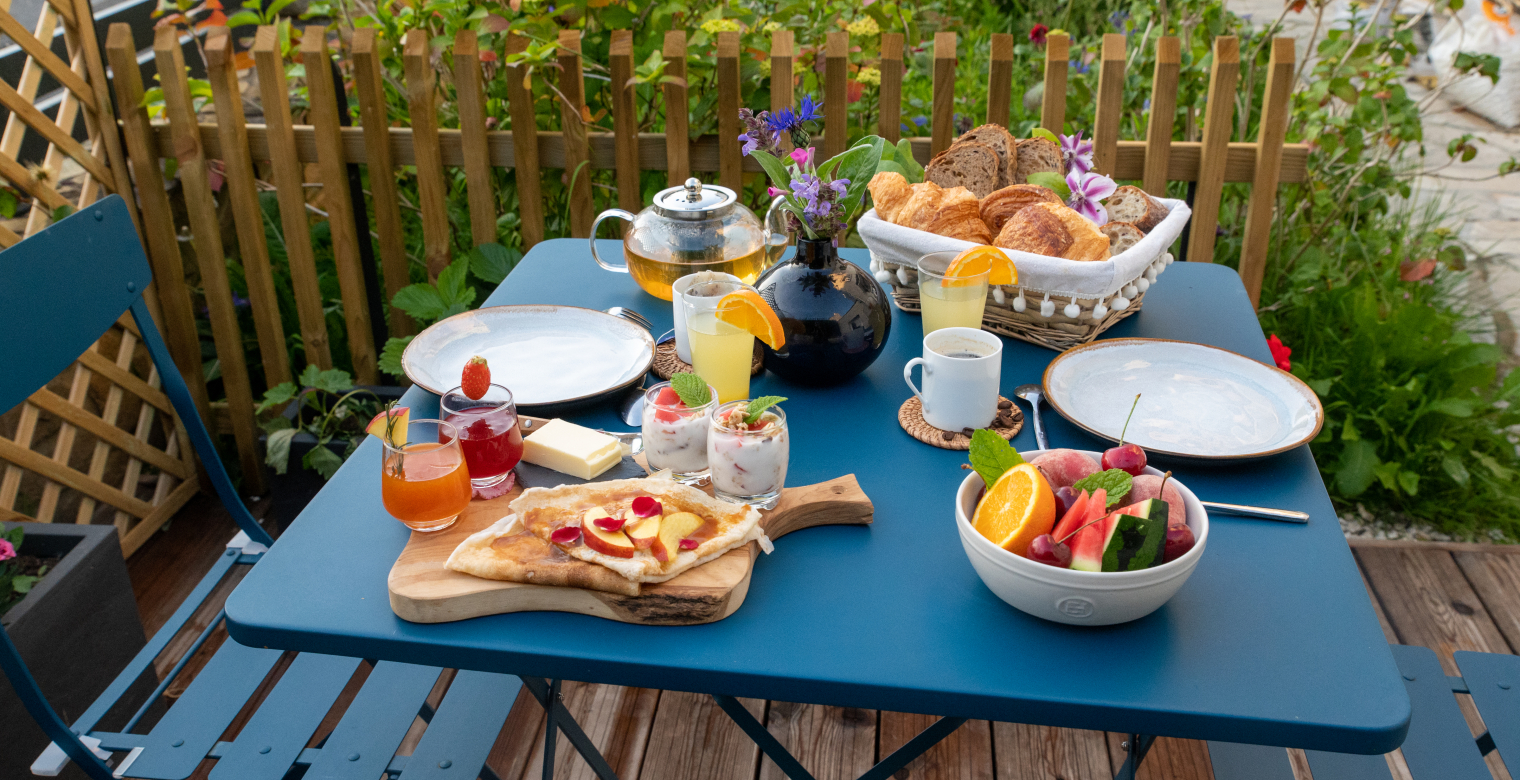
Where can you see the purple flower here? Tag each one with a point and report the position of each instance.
(772, 192)
(840, 186)
(7, 550)
(748, 143)
(757, 133)
(806, 187)
(1076, 154)
(1087, 192)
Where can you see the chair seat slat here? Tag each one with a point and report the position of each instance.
(464, 728)
(1344, 766)
(374, 725)
(267, 747)
(191, 728)
(1494, 682)
(1234, 761)
(1439, 745)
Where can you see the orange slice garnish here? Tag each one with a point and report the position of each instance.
(746, 310)
(1017, 508)
(978, 260)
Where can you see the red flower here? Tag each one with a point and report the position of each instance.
(853, 90)
(1037, 33)
(1280, 353)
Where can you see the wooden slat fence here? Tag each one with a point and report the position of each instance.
(576, 150)
(101, 443)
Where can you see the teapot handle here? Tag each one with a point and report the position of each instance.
(620, 214)
(765, 226)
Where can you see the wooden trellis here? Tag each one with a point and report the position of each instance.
(108, 448)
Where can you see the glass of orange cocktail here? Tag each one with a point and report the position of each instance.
(424, 483)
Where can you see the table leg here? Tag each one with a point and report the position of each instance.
(1136, 746)
(548, 697)
(794, 769)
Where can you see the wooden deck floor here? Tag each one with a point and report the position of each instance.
(1446, 597)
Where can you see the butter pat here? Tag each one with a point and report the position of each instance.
(571, 449)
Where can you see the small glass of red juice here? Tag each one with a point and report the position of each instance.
(488, 433)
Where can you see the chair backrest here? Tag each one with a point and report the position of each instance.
(59, 291)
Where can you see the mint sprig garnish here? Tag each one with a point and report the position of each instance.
(991, 455)
(758, 406)
(693, 391)
(1115, 481)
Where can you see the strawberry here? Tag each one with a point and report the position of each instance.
(476, 378)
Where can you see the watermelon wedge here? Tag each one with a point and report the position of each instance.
(1128, 539)
(1074, 517)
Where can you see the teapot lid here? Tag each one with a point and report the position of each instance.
(695, 201)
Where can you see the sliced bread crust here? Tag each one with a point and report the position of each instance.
(1003, 144)
(1036, 155)
(1121, 236)
(1135, 206)
(966, 164)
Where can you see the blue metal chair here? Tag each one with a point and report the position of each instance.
(59, 290)
(1439, 746)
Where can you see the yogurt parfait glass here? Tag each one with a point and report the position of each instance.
(675, 435)
(748, 462)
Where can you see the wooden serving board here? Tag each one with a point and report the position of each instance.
(423, 591)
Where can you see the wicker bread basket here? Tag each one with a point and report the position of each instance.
(1057, 303)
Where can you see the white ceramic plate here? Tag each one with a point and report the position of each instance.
(1196, 401)
(544, 354)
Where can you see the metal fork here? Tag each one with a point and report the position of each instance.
(632, 316)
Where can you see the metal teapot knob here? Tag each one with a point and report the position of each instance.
(693, 189)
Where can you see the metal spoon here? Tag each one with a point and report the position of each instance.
(1033, 394)
(1259, 512)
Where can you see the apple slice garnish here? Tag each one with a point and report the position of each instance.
(674, 528)
(614, 543)
(643, 532)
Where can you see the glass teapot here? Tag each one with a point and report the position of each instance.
(691, 228)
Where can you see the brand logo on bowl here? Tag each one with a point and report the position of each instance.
(1075, 606)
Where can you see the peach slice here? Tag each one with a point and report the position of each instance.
(642, 531)
(377, 427)
(614, 543)
(673, 529)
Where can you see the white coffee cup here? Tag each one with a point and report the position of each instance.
(678, 289)
(962, 368)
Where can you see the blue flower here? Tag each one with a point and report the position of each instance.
(1079, 66)
(808, 111)
(920, 120)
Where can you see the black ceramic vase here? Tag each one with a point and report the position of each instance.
(835, 315)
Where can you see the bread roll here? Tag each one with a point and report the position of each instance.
(1035, 230)
(965, 164)
(959, 216)
(1133, 205)
(1087, 241)
(889, 191)
(1121, 236)
(1036, 155)
(1000, 206)
(1002, 144)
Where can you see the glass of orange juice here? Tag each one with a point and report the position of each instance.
(424, 483)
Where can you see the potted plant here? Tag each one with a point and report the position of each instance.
(318, 424)
(67, 604)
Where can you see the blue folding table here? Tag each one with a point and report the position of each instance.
(1271, 642)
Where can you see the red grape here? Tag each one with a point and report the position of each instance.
(1128, 458)
(1045, 549)
(1179, 539)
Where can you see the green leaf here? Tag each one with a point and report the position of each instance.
(1453, 467)
(1355, 471)
(1054, 182)
(1493, 466)
(323, 461)
(693, 390)
(243, 17)
(904, 157)
(453, 284)
(277, 450)
(334, 380)
(22, 583)
(62, 212)
(1409, 482)
(420, 301)
(8, 202)
(211, 370)
(279, 395)
(390, 357)
(1040, 132)
(780, 177)
(492, 262)
(758, 406)
(1454, 407)
(310, 374)
(991, 455)
(1115, 482)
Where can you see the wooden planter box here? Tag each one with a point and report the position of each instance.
(76, 630)
(290, 492)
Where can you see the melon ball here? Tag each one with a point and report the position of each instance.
(1062, 468)
(1149, 486)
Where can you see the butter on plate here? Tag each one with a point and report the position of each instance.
(571, 449)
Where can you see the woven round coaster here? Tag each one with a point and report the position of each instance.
(910, 416)
(667, 363)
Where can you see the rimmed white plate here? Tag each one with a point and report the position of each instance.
(546, 355)
(1196, 401)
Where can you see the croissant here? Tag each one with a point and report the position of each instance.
(1035, 230)
(920, 207)
(889, 191)
(1001, 205)
(959, 217)
(1087, 241)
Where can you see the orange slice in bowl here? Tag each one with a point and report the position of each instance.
(979, 260)
(1016, 509)
(746, 310)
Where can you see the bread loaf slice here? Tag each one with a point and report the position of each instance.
(889, 191)
(1133, 205)
(1121, 236)
(959, 216)
(1035, 230)
(1036, 155)
(1002, 144)
(1001, 205)
(1087, 242)
(965, 164)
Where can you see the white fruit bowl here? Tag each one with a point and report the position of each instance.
(1078, 598)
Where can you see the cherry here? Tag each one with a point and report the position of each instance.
(1064, 498)
(1045, 549)
(1179, 539)
(1128, 458)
